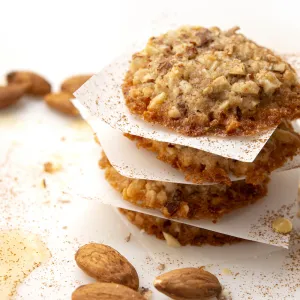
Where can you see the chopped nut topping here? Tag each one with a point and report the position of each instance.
(247, 87)
(208, 71)
(174, 113)
(157, 101)
(268, 81)
(171, 241)
(238, 69)
(220, 84)
(278, 67)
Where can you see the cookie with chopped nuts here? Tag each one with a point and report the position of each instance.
(201, 167)
(184, 234)
(200, 81)
(184, 200)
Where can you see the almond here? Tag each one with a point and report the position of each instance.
(10, 94)
(188, 283)
(72, 84)
(106, 265)
(105, 291)
(36, 84)
(61, 102)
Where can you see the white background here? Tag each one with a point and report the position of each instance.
(59, 38)
(62, 38)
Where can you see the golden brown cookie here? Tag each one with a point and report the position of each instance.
(184, 200)
(201, 167)
(183, 233)
(200, 81)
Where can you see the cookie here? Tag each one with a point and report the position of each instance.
(200, 81)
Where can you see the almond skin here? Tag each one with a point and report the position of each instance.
(188, 283)
(106, 265)
(10, 94)
(105, 291)
(72, 84)
(36, 84)
(61, 102)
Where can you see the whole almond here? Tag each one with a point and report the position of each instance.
(72, 84)
(106, 265)
(10, 94)
(61, 102)
(36, 84)
(188, 283)
(105, 291)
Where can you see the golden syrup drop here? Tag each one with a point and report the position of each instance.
(20, 253)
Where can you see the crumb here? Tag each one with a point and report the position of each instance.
(63, 138)
(225, 295)
(146, 293)
(171, 241)
(64, 200)
(96, 139)
(44, 184)
(128, 237)
(282, 225)
(65, 227)
(226, 271)
(161, 267)
(50, 167)
(47, 202)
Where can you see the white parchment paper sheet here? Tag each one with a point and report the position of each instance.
(102, 96)
(252, 222)
(132, 162)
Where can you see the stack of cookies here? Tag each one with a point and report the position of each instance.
(206, 82)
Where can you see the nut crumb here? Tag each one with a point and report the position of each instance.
(44, 184)
(225, 295)
(128, 237)
(146, 293)
(161, 267)
(64, 200)
(226, 271)
(50, 167)
(171, 241)
(282, 225)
